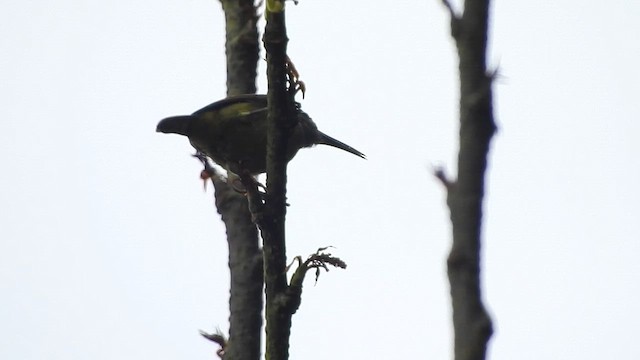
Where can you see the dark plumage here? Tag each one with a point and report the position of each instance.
(233, 133)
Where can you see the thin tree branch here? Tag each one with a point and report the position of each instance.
(472, 324)
(245, 255)
(281, 114)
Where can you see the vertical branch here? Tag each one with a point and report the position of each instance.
(280, 115)
(472, 324)
(245, 255)
(241, 46)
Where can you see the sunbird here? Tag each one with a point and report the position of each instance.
(233, 133)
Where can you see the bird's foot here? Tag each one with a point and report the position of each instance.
(254, 196)
(208, 172)
(295, 84)
(237, 183)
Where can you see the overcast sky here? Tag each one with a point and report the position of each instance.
(110, 248)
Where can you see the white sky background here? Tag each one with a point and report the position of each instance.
(110, 249)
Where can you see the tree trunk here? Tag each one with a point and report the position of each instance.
(245, 255)
(472, 324)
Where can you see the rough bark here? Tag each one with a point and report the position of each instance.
(472, 324)
(280, 115)
(245, 255)
(242, 46)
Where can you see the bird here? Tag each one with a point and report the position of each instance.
(233, 133)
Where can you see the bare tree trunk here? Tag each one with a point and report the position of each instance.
(280, 117)
(242, 46)
(245, 255)
(472, 324)
(268, 210)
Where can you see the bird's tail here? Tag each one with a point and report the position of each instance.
(175, 125)
(328, 140)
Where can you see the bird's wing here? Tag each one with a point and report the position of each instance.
(239, 106)
(243, 104)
